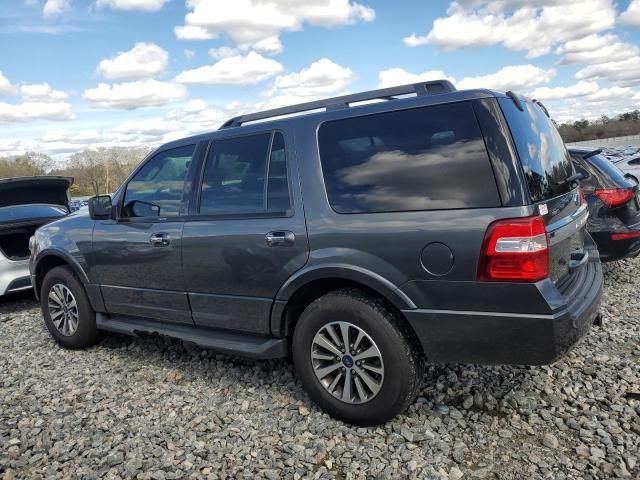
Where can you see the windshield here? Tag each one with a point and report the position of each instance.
(544, 158)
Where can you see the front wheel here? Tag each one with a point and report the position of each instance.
(356, 358)
(66, 309)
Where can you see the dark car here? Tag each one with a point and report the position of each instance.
(26, 203)
(626, 159)
(614, 204)
(360, 239)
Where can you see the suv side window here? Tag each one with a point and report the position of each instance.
(157, 188)
(426, 158)
(278, 196)
(238, 179)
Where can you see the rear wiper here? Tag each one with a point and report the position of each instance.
(571, 178)
(592, 153)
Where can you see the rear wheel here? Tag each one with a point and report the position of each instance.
(356, 358)
(66, 309)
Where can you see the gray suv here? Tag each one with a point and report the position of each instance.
(362, 235)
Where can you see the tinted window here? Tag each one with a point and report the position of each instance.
(579, 168)
(234, 175)
(542, 153)
(420, 159)
(157, 189)
(278, 199)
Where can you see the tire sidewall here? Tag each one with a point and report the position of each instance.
(85, 334)
(397, 377)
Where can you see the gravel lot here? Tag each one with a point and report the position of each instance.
(157, 408)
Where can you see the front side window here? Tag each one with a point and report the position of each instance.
(157, 188)
(243, 176)
(426, 158)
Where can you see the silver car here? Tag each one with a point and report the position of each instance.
(26, 203)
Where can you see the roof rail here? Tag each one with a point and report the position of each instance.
(335, 103)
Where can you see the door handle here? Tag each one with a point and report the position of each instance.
(280, 238)
(160, 239)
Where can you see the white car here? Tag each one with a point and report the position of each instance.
(26, 203)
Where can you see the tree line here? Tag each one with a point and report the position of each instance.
(622, 125)
(95, 172)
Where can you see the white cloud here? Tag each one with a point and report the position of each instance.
(323, 77)
(398, 76)
(236, 70)
(26, 111)
(5, 85)
(132, 95)
(53, 8)
(223, 52)
(249, 22)
(625, 72)
(594, 49)
(189, 54)
(144, 60)
(609, 94)
(631, 15)
(42, 92)
(517, 25)
(512, 77)
(140, 5)
(557, 93)
(268, 46)
(189, 32)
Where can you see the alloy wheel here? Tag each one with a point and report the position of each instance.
(63, 309)
(347, 362)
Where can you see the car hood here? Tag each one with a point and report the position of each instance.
(43, 190)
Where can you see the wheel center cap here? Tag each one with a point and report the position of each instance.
(347, 361)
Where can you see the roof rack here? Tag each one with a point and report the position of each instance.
(335, 103)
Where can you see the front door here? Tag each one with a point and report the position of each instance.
(138, 256)
(246, 236)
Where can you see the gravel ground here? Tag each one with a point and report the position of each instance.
(156, 408)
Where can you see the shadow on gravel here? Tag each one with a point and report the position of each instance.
(489, 388)
(17, 302)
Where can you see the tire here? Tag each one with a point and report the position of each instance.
(398, 372)
(85, 333)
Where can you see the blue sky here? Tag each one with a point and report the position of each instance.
(78, 74)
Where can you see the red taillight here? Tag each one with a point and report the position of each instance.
(614, 197)
(515, 249)
(624, 236)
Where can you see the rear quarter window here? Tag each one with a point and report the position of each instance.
(428, 158)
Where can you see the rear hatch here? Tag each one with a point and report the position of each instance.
(556, 196)
(27, 203)
(38, 190)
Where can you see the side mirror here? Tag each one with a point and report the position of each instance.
(143, 209)
(100, 207)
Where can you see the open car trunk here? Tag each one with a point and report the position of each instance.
(27, 203)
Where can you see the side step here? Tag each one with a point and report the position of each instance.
(232, 343)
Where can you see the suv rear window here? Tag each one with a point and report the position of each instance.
(542, 153)
(426, 158)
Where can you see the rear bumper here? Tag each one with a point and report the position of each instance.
(611, 250)
(14, 275)
(513, 338)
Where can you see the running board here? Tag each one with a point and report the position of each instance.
(223, 341)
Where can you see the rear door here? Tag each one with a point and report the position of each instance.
(246, 234)
(547, 166)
